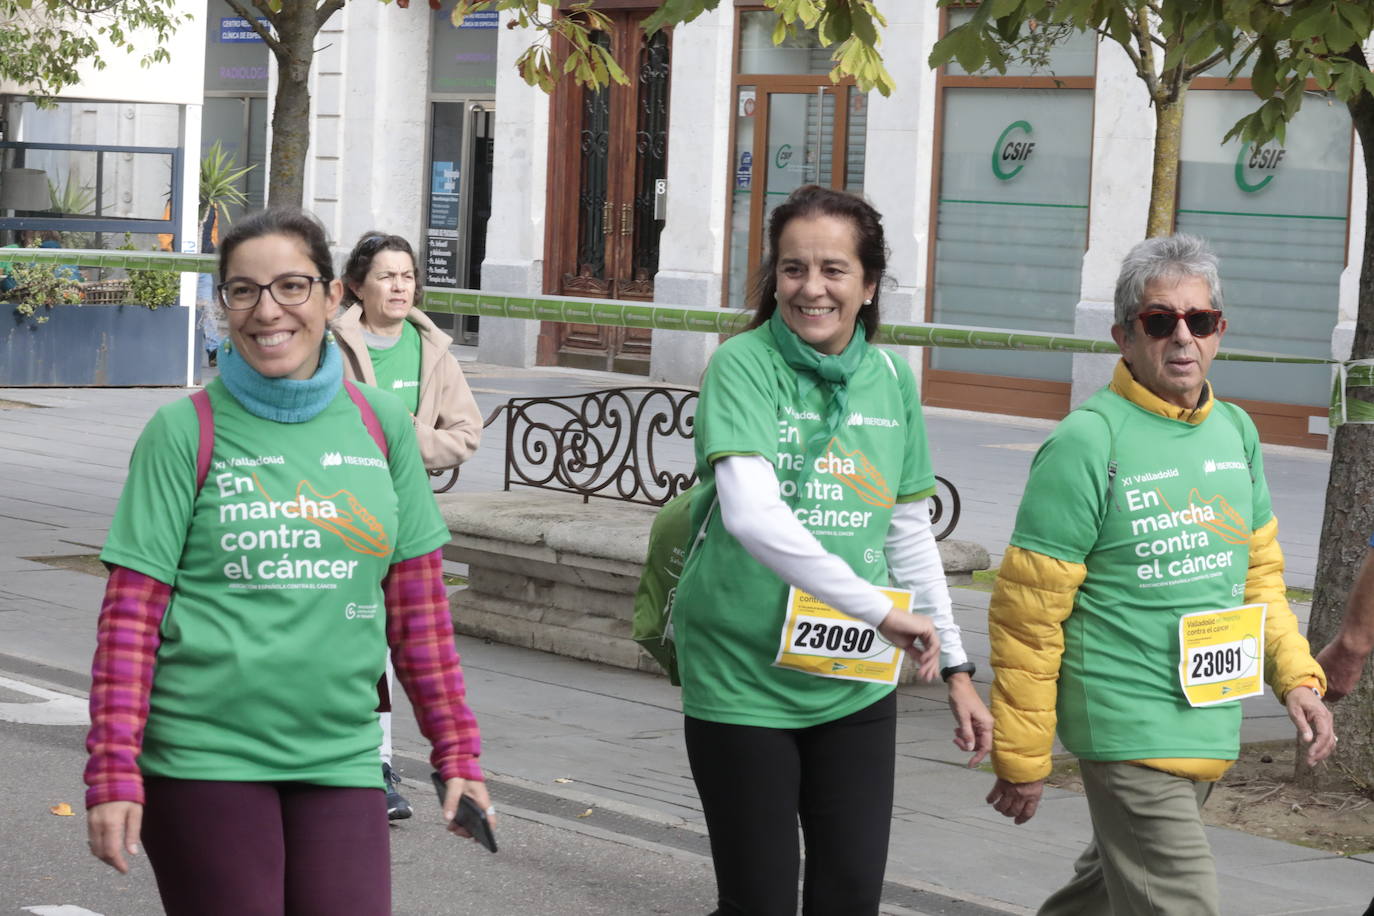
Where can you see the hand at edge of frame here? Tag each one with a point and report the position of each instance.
(972, 721)
(1343, 665)
(112, 830)
(455, 789)
(1016, 800)
(905, 630)
(1313, 719)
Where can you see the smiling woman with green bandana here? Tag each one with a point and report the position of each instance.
(810, 442)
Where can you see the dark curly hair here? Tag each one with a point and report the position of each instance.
(370, 244)
(869, 243)
(291, 221)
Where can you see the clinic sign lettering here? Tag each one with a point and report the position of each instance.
(1012, 151)
(1257, 166)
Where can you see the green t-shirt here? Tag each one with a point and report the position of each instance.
(275, 637)
(1171, 538)
(398, 367)
(728, 610)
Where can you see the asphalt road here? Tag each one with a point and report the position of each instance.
(550, 861)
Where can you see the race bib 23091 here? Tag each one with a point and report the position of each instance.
(1221, 654)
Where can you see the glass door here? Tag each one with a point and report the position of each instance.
(458, 203)
(785, 138)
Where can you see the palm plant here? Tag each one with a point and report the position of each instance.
(219, 188)
(74, 198)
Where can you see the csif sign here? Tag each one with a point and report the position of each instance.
(1257, 166)
(1013, 150)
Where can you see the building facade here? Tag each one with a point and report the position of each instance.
(1008, 201)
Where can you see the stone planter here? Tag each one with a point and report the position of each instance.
(547, 571)
(94, 345)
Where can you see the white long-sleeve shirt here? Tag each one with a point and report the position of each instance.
(754, 513)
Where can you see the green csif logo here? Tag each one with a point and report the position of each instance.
(1262, 159)
(1008, 150)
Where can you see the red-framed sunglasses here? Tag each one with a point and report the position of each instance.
(1160, 323)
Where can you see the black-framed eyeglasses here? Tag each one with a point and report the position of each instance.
(1161, 323)
(288, 290)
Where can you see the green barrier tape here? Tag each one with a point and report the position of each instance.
(128, 260)
(658, 317)
(1354, 374)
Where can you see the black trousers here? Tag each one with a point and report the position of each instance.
(756, 784)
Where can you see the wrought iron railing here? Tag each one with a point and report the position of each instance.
(616, 443)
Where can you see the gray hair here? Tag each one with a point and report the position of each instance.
(1171, 257)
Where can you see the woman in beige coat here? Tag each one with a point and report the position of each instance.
(381, 332)
(388, 342)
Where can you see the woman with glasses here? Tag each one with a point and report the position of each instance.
(387, 342)
(274, 537)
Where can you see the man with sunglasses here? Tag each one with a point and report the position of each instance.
(1142, 594)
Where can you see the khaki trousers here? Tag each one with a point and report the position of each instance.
(1148, 855)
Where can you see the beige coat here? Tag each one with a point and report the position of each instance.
(448, 422)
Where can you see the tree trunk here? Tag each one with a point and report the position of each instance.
(1349, 519)
(1164, 178)
(296, 31)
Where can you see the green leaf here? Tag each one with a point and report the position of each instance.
(780, 32)
(1119, 27)
(1314, 23)
(835, 26)
(996, 58)
(863, 27)
(970, 53)
(1339, 37)
(1264, 79)
(1078, 12)
(1269, 116)
(1356, 15)
(675, 12)
(1199, 50)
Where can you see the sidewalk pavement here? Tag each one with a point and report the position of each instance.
(610, 740)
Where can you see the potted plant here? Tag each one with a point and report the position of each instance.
(117, 332)
(59, 337)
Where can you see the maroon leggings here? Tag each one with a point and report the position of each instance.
(267, 849)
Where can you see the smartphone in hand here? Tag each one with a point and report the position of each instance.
(470, 817)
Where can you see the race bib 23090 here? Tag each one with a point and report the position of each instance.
(817, 639)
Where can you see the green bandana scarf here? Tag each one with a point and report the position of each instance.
(815, 368)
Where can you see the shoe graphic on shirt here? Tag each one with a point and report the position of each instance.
(1228, 525)
(854, 470)
(356, 527)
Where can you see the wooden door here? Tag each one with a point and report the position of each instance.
(608, 148)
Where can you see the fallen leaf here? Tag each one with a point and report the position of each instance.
(62, 810)
(562, 779)
(587, 813)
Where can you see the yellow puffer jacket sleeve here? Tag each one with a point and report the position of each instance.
(1032, 598)
(1288, 660)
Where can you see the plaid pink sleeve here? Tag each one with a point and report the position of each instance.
(420, 632)
(127, 641)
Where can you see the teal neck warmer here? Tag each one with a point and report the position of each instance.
(285, 400)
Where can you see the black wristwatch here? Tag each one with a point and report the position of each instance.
(966, 668)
